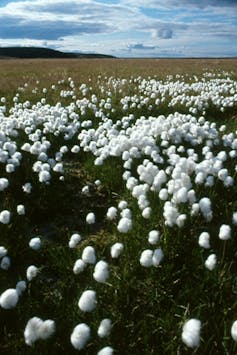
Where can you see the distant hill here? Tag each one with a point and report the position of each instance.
(38, 52)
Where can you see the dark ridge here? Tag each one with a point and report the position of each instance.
(38, 52)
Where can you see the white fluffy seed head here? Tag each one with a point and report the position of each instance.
(210, 262)
(225, 232)
(153, 237)
(87, 301)
(21, 210)
(88, 255)
(80, 336)
(234, 330)
(124, 225)
(191, 333)
(146, 258)
(90, 218)
(234, 218)
(101, 271)
(157, 257)
(79, 266)
(35, 243)
(204, 240)
(20, 287)
(74, 240)
(5, 217)
(9, 298)
(36, 329)
(5, 263)
(104, 328)
(116, 250)
(107, 350)
(31, 272)
(3, 252)
(111, 213)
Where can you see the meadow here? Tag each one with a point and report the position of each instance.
(118, 209)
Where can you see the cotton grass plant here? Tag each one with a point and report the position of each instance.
(118, 216)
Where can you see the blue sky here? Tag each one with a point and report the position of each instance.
(124, 28)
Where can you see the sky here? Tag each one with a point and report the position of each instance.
(123, 28)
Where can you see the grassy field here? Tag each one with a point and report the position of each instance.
(159, 135)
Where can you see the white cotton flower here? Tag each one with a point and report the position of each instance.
(35, 243)
(116, 250)
(31, 272)
(191, 333)
(75, 149)
(124, 225)
(88, 255)
(3, 252)
(180, 221)
(146, 258)
(9, 298)
(205, 207)
(204, 240)
(107, 350)
(37, 329)
(44, 176)
(80, 336)
(90, 218)
(3, 184)
(225, 232)
(153, 237)
(234, 218)
(111, 213)
(5, 263)
(20, 287)
(79, 266)
(46, 329)
(146, 213)
(163, 194)
(74, 240)
(157, 257)
(85, 190)
(87, 301)
(210, 262)
(101, 271)
(58, 168)
(5, 216)
(21, 210)
(122, 205)
(27, 187)
(234, 330)
(104, 328)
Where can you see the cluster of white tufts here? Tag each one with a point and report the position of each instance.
(151, 258)
(37, 329)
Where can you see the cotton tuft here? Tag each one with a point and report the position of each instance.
(107, 350)
(37, 329)
(225, 232)
(5, 217)
(74, 240)
(191, 333)
(35, 243)
(90, 218)
(9, 298)
(101, 271)
(116, 250)
(104, 328)
(204, 240)
(88, 255)
(234, 330)
(87, 301)
(31, 272)
(80, 336)
(146, 258)
(210, 262)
